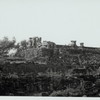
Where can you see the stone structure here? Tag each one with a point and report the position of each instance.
(82, 44)
(34, 42)
(73, 43)
(48, 44)
(31, 53)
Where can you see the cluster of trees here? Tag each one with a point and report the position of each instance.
(6, 44)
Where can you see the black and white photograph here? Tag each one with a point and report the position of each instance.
(50, 48)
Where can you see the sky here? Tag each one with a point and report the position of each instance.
(59, 21)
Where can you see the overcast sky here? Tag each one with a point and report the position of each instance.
(59, 21)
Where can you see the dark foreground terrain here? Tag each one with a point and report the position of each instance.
(70, 74)
(43, 80)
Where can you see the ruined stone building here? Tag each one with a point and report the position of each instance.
(41, 51)
(48, 44)
(34, 42)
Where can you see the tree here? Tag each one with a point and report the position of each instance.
(6, 45)
(23, 44)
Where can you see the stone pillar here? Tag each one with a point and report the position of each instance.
(73, 43)
(81, 44)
